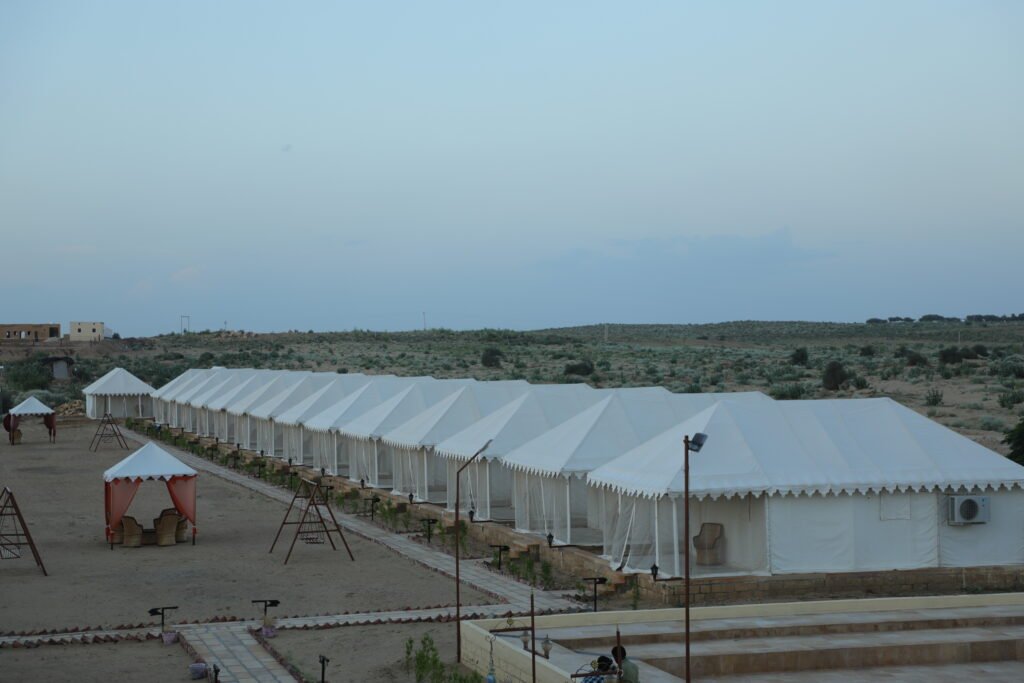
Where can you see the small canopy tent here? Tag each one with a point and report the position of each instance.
(119, 393)
(30, 407)
(811, 486)
(122, 481)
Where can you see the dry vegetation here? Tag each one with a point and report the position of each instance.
(967, 375)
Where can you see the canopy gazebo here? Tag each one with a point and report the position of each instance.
(119, 393)
(30, 407)
(122, 481)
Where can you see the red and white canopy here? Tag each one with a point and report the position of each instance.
(149, 462)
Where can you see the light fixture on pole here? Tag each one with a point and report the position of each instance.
(597, 580)
(458, 530)
(160, 610)
(689, 444)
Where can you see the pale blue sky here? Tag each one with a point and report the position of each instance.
(332, 165)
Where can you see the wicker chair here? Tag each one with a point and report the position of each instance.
(131, 532)
(710, 544)
(166, 527)
(181, 533)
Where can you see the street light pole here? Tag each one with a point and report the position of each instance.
(458, 584)
(695, 445)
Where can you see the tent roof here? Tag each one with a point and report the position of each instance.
(456, 412)
(265, 389)
(278, 403)
(178, 381)
(149, 462)
(533, 413)
(401, 408)
(118, 382)
(331, 394)
(370, 395)
(172, 393)
(624, 419)
(31, 406)
(225, 382)
(794, 447)
(243, 385)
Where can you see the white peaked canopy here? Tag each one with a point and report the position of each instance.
(525, 418)
(325, 397)
(456, 412)
(149, 462)
(119, 393)
(368, 396)
(118, 382)
(809, 447)
(486, 486)
(31, 406)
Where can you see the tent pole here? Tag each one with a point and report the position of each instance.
(675, 538)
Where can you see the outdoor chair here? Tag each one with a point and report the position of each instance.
(131, 532)
(181, 529)
(710, 544)
(166, 529)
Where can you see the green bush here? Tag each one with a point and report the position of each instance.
(491, 357)
(950, 356)
(1011, 398)
(581, 368)
(1015, 440)
(788, 392)
(933, 397)
(834, 375)
(799, 356)
(27, 375)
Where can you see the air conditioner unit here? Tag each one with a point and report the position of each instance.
(967, 510)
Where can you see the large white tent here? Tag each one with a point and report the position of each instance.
(119, 393)
(326, 447)
(297, 440)
(372, 461)
(486, 485)
(164, 407)
(810, 486)
(269, 437)
(238, 409)
(550, 492)
(417, 469)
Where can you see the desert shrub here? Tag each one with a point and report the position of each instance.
(868, 350)
(980, 349)
(799, 356)
(950, 355)
(933, 397)
(491, 357)
(834, 375)
(582, 368)
(1008, 366)
(859, 383)
(1011, 398)
(991, 424)
(788, 392)
(28, 374)
(1015, 440)
(914, 359)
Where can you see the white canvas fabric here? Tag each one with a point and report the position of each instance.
(808, 447)
(486, 486)
(118, 382)
(31, 406)
(149, 462)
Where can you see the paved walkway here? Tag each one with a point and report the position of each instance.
(238, 655)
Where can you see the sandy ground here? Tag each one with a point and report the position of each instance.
(150, 661)
(60, 491)
(386, 643)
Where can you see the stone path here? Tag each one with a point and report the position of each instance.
(240, 657)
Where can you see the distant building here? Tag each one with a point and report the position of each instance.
(33, 332)
(86, 331)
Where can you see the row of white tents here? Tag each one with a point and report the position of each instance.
(798, 486)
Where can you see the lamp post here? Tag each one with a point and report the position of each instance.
(597, 580)
(694, 444)
(160, 610)
(458, 589)
(323, 669)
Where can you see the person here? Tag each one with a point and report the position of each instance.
(630, 671)
(602, 672)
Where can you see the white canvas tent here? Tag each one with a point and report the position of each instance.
(31, 407)
(373, 461)
(163, 398)
(212, 420)
(269, 437)
(227, 427)
(326, 448)
(119, 393)
(487, 484)
(550, 492)
(278, 383)
(417, 469)
(297, 441)
(810, 486)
